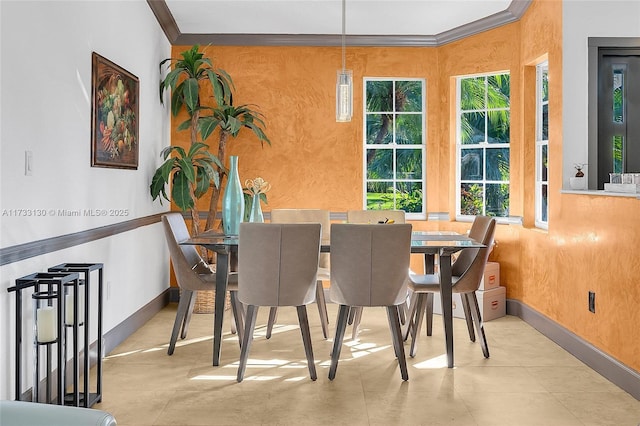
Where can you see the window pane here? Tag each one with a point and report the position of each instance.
(409, 164)
(471, 199)
(379, 96)
(544, 165)
(409, 129)
(498, 126)
(379, 164)
(472, 127)
(618, 95)
(543, 196)
(497, 164)
(497, 200)
(472, 91)
(498, 91)
(545, 85)
(471, 164)
(545, 122)
(408, 96)
(380, 196)
(618, 149)
(379, 129)
(409, 197)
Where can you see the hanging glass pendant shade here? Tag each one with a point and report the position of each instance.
(344, 95)
(344, 82)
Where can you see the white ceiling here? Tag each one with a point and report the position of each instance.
(363, 17)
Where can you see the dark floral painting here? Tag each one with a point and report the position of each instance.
(114, 115)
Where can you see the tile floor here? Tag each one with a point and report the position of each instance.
(528, 380)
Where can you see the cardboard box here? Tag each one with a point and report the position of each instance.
(492, 304)
(491, 277)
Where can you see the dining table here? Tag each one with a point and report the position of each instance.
(430, 243)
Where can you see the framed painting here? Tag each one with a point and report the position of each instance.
(114, 115)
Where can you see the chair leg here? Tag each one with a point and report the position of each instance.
(464, 297)
(273, 314)
(249, 326)
(187, 317)
(417, 325)
(236, 308)
(341, 325)
(429, 314)
(396, 336)
(352, 315)
(183, 306)
(322, 309)
(477, 319)
(306, 340)
(356, 321)
(408, 325)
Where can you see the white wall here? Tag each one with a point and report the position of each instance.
(45, 106)
(583, 19)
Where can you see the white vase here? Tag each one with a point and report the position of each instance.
(578, 182)
(256, 210)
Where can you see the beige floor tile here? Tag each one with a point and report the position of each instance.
(602, 408)
(528, 380)
(518, 408)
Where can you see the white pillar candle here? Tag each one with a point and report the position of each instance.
(46, 324)
(68, 307)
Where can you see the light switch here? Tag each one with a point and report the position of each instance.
(28, 163)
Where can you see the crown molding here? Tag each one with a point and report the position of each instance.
(168, 24)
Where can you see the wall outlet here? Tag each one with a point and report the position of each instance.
(592, 301)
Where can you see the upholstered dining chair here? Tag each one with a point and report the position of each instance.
(374, 216)
(466, 274)
(369, 267)
(192, 274)
(308, 216)
(277, 266)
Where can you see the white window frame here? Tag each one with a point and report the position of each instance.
(541, 143)
(482, 145)
(422, 146)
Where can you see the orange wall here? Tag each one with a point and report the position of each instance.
(592, 242)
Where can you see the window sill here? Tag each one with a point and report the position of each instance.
(600, 193)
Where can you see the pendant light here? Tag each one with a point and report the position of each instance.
(344, 83)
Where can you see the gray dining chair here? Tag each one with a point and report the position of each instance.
(193, 274)
(372, 217)
(466, 272)
(369, 267)
(277, 266)
(308, 216)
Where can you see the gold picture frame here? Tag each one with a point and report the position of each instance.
(114, 115)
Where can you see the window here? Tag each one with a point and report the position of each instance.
(483, 145)
(394, 145)
(542, 145)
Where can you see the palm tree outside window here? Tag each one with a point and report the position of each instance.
(483, 145)
(394, 145)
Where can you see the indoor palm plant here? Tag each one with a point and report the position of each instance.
(194, 171)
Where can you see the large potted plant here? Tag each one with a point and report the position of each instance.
(192, 172)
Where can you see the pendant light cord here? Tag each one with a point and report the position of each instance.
(344, 29)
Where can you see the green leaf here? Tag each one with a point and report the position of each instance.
(207, 126)
(202, 183)
(191, 94)
(180, 192)
(176, 100)
(186, 167)
(197, 147)
(184, 125)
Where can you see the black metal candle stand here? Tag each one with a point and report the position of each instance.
(66, 290)
(47, 293)
(76, 395)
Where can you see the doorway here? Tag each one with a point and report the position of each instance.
(618, 112)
